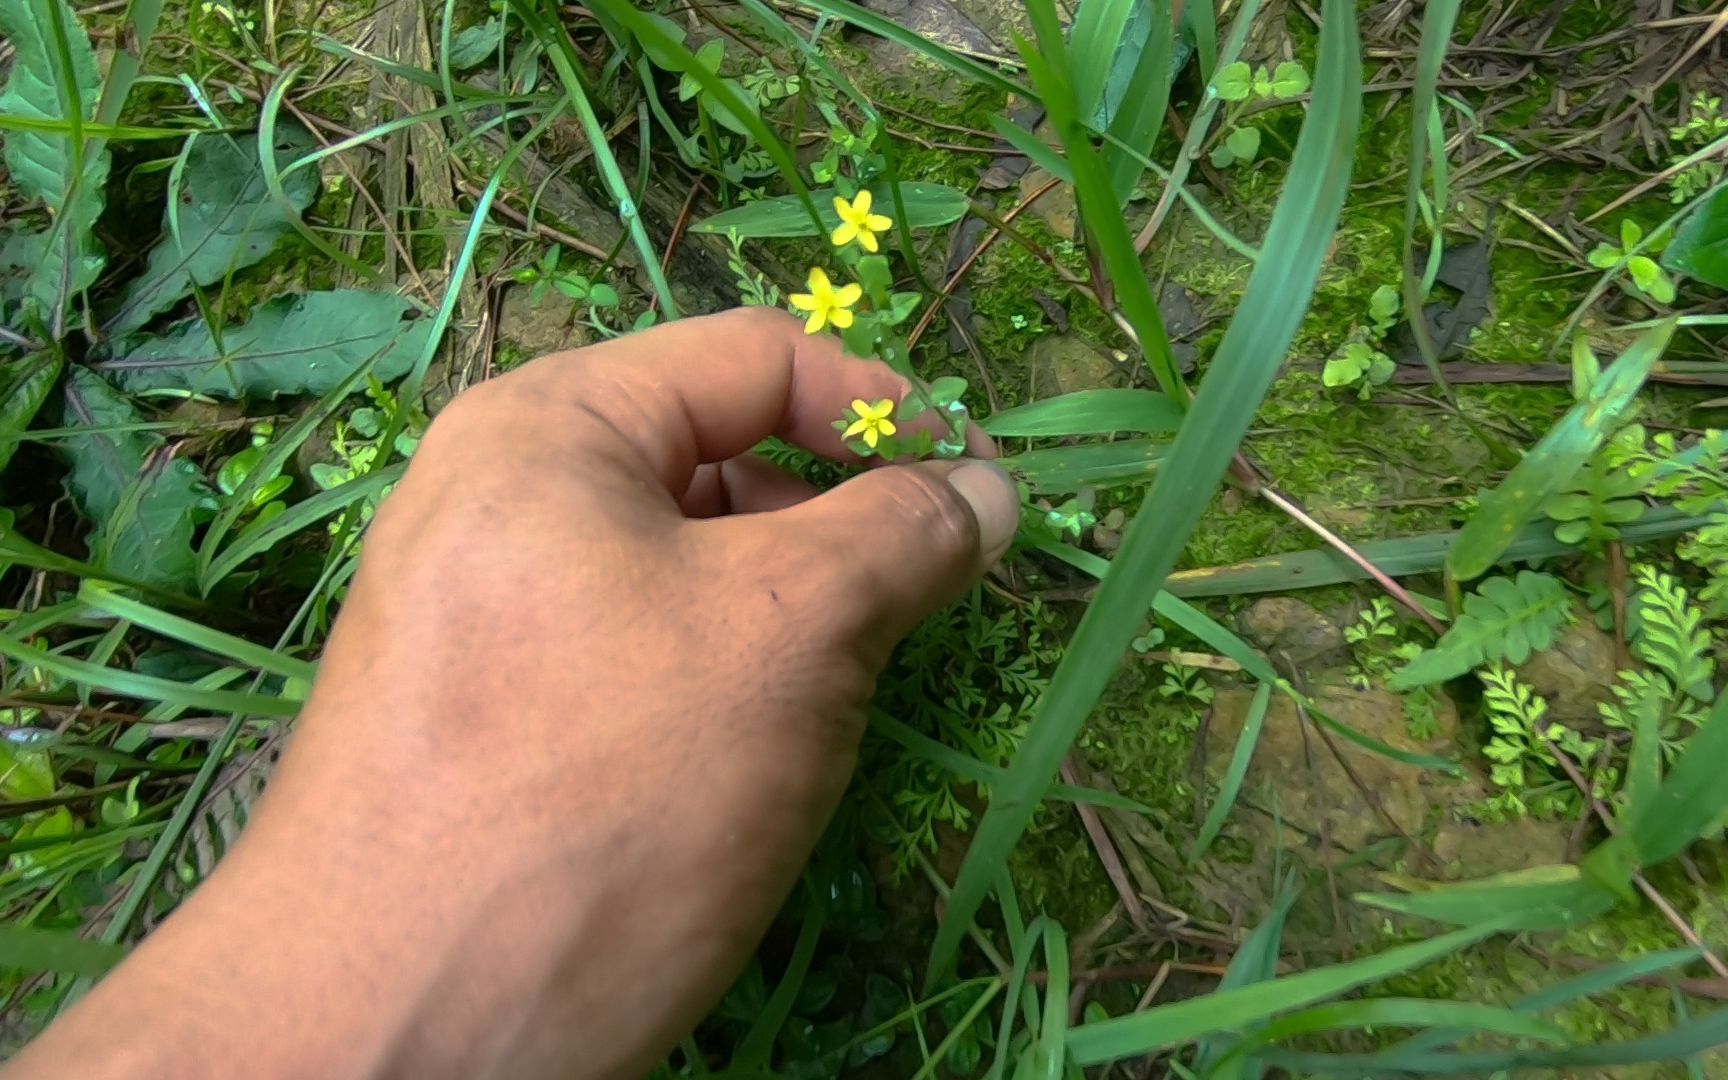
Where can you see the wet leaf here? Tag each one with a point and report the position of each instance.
(303, 344)
(225, 217)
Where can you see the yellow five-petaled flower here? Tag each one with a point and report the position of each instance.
(858, 223)
(827, 305)
(872, 423)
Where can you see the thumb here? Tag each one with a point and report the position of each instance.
(906, 540)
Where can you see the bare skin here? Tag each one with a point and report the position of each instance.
(596, 691)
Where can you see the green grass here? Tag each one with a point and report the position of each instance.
(138, 586)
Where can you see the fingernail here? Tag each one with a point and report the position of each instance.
(990, 492)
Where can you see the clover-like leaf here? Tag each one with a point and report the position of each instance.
(1289, 79)
(1234, 82)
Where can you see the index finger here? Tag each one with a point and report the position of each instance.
(707, 389)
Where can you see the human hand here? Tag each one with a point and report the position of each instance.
(594, 695)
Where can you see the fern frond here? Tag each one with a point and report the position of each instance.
(1506, 618)
(1672, 637)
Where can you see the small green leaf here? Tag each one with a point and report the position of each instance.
(1244, 143)
(303, 344)
(226, 218)
(1604, 256)
(1234, 81)
(927, 206)
(602, 295)
(1289, 79)
(724, 115)
(1384, 305)
(28, 949)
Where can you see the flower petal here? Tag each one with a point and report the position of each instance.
(815, 321)
(849, 293)
(870, 436)
(858, 425)
(842, 207)
(882, 408)
(803, 301)
(878, 223)
(861, 407)
(861, 205)
(818, 281)
(867, 241)
(843, 234)
(839, 318)
(886, 426)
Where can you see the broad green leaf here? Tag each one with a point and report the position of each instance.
(225, 217)
(1700, 245)
(1230, 1010)
(1087, 412)
(25, 774)
(1504, 619)
(28, 949)
(1137, 92)
(1093, 41)
(1235, 81)
(476, 44)
(51, 167)
(884, 27)
(1070, 468)
(1556, 458)
(24, 386)
(1279, 291)
(302, 344)
(927, 206)
(143, 501)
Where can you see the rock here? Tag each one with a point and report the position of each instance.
(1294, 771)
(1288, 628)
(1472, 850)
(1576, 674)
(1057, 207)
(537, 329)
(1064, 363)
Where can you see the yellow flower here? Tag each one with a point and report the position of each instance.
(872, 423)
(858, 223)
(827, 305)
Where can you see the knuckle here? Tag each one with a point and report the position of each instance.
(933, 509)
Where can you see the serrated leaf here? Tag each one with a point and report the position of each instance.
(1700, 246)
(1505, 619)
(304, 344)
(927, 206)
(226, 218)
(43, 163)
(143, 501)
(24, 386)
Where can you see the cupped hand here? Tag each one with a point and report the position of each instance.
(595, 692)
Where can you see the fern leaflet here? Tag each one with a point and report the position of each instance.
(1506, 618)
